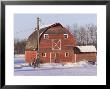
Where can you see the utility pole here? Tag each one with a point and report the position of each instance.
(87, 35)
(38, 19)
(37, 63)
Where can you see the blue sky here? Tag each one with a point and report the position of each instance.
(24, 24)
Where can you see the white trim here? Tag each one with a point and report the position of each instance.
(45, 54)
(50, 58)
(55, 54)
(65, 54)
(45, 36)
(59, 48)
(66, 35)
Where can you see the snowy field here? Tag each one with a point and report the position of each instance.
(53, 69)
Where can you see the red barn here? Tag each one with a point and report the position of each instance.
(56, 44)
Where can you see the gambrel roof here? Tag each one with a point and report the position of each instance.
(56, 28)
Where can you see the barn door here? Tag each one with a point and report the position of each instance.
(55, 57)
(56, 44)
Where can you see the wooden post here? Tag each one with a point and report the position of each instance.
(37, 61)
(38, 19)
(75, 58)
(38, 36)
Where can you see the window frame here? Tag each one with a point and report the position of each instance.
(65, 35)
(45, 36)
(44, 54)
(67, 54)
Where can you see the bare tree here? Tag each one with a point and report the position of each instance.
(92, 34)
(19, 46)
(84, 35)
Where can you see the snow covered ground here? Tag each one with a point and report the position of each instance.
(53, 69)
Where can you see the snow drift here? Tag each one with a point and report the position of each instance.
(82, 68)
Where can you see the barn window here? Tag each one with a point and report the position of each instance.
(65, 36)
(46, 36)
(44, 54)
(66, 54)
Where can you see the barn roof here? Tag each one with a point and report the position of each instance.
(47, 29)
(47, 25)
(89, 48)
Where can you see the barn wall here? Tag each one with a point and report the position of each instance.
(61, 57)
(70, 58)
(29, 56)
(46, 44)
(86, 56)
(46, 47)
(45, 59)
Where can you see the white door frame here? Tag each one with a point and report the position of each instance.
(50, 58)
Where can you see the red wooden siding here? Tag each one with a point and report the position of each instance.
(86, 56)
(30, 55)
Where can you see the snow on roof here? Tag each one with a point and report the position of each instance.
(89, 48)
(47, 25)
(43, 26)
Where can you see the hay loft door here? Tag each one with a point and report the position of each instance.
(56, 44)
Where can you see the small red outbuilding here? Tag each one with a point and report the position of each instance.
(87, 53)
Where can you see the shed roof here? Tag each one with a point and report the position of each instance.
(89, 48)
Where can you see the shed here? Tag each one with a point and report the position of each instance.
(87, 52)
